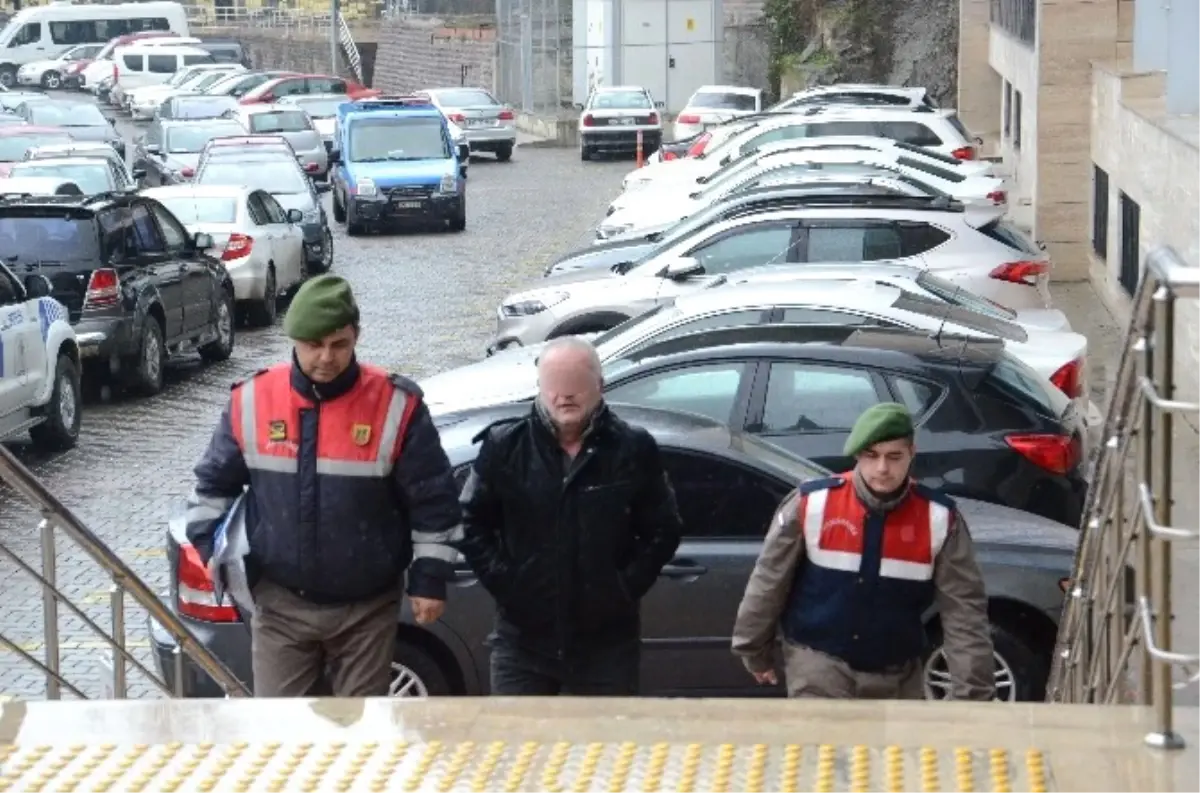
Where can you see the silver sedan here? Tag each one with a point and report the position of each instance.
(295, 126)
(487, 124)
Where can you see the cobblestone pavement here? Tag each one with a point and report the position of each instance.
(428, 302)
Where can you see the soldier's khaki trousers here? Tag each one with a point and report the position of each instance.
(813, 674)
(297, 643)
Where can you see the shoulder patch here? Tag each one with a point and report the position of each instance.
(825, 483)
(259, 373)
(499, 423)
(936, 496)
(406, 385)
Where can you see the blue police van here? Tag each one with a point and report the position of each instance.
(395, 160)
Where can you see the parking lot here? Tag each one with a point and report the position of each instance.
(428, 303)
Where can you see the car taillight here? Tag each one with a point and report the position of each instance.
(195, 596)
(698, 147)
(588, 121)
(688, 118)
(116, 74)
(457, 118)
(311, 167)
(964, 153)
(998, 197)
(669, 155)
(506, 115)
(1020, 272)
(653, 119)
(1057, 454)
(239, 246)
(1069, 378)
(187, 171)
(103, 289)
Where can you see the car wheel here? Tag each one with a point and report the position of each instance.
(151, 359)
(60, 430)
(504, 153)
(326, 263)
(8, 75)
(1021, 671)
(353, 227)
(261, 313)
(52, 80)
(459, 221)
(339, 209)
(415, 673)
(585, 153)
(221, 348)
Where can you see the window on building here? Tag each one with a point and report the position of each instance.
(1017, 18)
(1131, 222)
(1016, 120)
(1007, 109)
(1099, 212)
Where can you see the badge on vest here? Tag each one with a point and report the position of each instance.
(277, 431)
(361, 433)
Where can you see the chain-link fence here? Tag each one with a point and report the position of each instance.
(534, 54)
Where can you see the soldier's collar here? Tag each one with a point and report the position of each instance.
(323, 392)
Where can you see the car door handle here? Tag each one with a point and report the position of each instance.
(683, 570)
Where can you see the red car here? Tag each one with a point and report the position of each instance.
(295, 85)
(20, 138)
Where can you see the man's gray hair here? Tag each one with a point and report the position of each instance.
(576, 344)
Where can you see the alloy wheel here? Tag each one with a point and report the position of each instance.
(406, 683)
(938, 685)
(67, 401)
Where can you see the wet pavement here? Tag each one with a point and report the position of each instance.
(427, 300)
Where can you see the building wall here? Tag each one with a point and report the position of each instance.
(979, 85)
(419, 53)
(1148, 159)
(1015, 63)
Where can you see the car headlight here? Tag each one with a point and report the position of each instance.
(366, 186)
(528, 306)
(449, 184)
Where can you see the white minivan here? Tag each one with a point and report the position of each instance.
(102, 67)
(42, 32)
(139, 65)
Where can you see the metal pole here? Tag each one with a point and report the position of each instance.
(117, 604)
(334, 14)
(50, 610)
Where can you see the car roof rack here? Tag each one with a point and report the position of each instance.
(775, 198)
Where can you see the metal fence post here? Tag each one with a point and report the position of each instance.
(50, 610)
(526, 62)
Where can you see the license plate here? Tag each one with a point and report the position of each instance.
(626, 121)
(406, 204)
(479, 122)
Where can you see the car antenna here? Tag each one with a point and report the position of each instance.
(937, 337)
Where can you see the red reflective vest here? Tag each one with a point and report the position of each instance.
(866, 581)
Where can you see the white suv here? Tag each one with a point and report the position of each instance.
(39, 364)
(862, 94)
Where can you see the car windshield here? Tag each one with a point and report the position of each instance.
(209, 78)
(203, 106)
(958, 296)
(13, 147)
(92, 177)
(62, 114)
(719, 100)
(275, 175)
(280, 121)
(320, 108)
(621, 100)
(36, 238)
(465, 97)
(376, 140)
(201, 209)
(192, 138)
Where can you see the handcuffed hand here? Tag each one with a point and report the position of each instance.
(427, 610)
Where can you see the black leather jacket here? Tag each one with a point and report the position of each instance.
(568, 547)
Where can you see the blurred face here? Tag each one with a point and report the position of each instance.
(322, 361)
(568, 387)
(884, 466)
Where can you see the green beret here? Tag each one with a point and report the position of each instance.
(321, 306)
(887, 421)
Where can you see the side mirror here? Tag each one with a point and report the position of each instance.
(37, 285)
(202, 241)
(464, 152)
(138, 173)
(294, 216)
(335, 155)
(153, 148)
(322, 187)
(682, 268)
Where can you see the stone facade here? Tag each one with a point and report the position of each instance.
(299, 51)
(423, 53)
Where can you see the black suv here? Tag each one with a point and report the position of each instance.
(138, 287)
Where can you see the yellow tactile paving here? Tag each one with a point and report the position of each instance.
(274, 767)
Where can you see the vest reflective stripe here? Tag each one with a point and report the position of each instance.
(839, 547)
(284, 459)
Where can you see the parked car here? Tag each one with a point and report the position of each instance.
(716, 104)
(321, 108)
(22, 186)
(102, 65)
(614, 118)
(49, 73)
(85, 150)
(137, 287)
(169, 151)
(147, 63)
(39, 364)
(863, 94)
(238, 84)
(291, 85)
(10, 100)
(728, 485)
(292, 124)
(267, 163)
(15, 140)
(195, 107)
(92, 174)
(83, 120)
(487, 124)
(145, 101)
(260, 243)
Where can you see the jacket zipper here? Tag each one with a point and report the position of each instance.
(564, 574)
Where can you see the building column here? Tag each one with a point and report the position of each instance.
(979, 86)
(1183, 60)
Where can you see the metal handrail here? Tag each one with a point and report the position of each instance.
(350, 47)
(1127, 524)
(56, 515)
